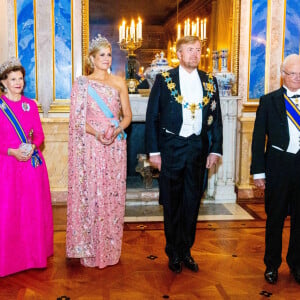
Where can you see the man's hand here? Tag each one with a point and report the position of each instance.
(212, 159)
(155, 161)
(260, 183)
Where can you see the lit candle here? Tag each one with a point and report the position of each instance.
(197, 27)
(137, 29)
(188, 27)
(120, 34)
(204, 35)
(201, 37)
(140, 28)
(123, 30)
(194, 28)
(178, 31)
(132, 30)
(127, 30)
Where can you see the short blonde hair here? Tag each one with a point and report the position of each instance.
(189, 39)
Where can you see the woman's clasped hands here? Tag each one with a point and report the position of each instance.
(106, 137)
(23, 153)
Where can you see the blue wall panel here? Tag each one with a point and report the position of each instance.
(292, 27)
(26, 45)
(258, 48)
(63, 49)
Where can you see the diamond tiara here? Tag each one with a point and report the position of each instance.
(12, 62)
(96, 41)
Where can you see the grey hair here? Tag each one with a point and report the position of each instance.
(290, 58)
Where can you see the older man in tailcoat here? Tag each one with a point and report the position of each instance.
(276, 167)
(184, 139)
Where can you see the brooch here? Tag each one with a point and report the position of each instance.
(25, 106)
(3, 105)
(213, 105)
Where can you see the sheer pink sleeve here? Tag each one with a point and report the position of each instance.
(77, 178)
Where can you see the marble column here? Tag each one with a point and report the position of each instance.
(44, 51)
(7, 30)
(221, 183)
(274, 44)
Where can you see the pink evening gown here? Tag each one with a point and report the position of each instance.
(97, 180)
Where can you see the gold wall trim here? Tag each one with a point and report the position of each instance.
(16, 27)
(72, 43)
(283, 31)
(61, 106)
(35, 52)
(53, 48)
(35, 44)
(249, 56)
(85, 32)
(235, 43)
(268, 47)
(250, 107)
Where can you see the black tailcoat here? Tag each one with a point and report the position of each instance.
(182, 177)
(271, 139)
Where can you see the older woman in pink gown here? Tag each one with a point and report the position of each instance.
(100, 111)
(26, 226)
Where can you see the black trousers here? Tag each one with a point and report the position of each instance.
(282, 197)
(181, 188)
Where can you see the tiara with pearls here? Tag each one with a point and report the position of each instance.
(10, 63)
(96, 41)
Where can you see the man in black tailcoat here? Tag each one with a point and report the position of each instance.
(183, 138)
(276, 167)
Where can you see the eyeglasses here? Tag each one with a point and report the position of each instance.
(291, 74)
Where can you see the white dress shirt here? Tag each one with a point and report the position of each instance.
(192, 92)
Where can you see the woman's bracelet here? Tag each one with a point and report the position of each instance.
(122, 131)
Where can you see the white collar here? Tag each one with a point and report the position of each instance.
(185, 73)
(290, 93)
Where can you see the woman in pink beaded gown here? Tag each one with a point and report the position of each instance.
(100, 111)
(26, 225)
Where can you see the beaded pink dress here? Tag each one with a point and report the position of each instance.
(97, 180)
(26, 224)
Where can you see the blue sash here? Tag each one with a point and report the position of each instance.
(292, 111)
(35, 158)
(105, 109)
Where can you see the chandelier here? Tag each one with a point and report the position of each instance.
(130, 37)
(194, 28)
